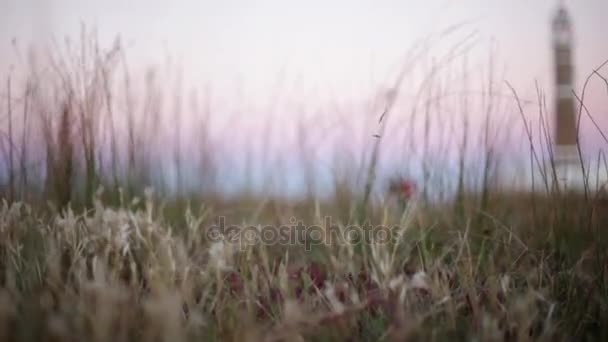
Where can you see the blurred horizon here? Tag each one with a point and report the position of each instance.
(284, 79)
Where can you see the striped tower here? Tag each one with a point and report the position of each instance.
(565, 136)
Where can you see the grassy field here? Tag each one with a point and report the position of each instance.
(527, 268)
(469, 260)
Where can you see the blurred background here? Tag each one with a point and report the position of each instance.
(290, 98)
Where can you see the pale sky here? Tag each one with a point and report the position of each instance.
(329, 48)
(342, 38)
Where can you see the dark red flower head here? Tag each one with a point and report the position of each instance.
(404, 188)
(408, 188)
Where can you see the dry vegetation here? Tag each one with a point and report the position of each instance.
(128, 273)
(78, 263)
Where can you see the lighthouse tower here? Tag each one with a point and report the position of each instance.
(565, 134)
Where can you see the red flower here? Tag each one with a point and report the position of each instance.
(408, 188)
(403, 188)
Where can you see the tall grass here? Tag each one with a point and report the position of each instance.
(87, 253)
